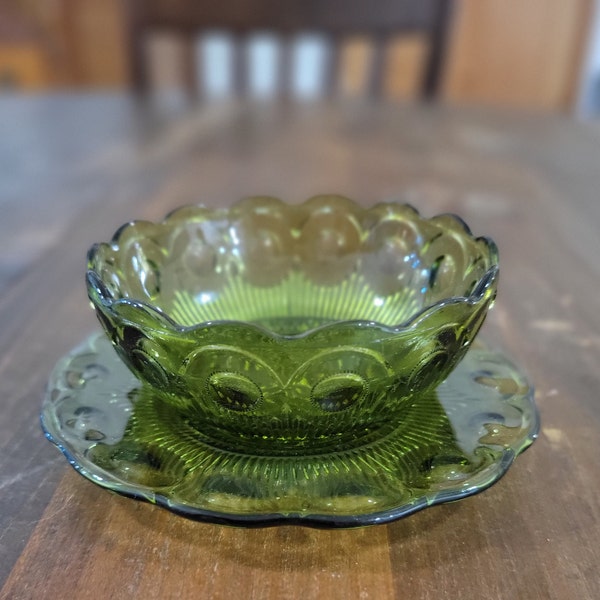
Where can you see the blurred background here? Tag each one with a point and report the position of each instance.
(541, 55)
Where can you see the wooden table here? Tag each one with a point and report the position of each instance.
(74, 168)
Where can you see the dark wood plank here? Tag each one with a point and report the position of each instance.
(43, 306)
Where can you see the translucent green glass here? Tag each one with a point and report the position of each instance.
(451, 442)
(290, 330)
(287, 360)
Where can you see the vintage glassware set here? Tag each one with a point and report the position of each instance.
(274, 363)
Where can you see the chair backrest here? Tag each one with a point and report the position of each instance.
(379, 20)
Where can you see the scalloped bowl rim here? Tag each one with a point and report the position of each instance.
(94, 281)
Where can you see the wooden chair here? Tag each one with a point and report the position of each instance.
(338, 19)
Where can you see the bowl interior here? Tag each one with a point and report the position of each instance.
(293, 268)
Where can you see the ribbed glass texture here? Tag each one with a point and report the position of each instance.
(278, 363)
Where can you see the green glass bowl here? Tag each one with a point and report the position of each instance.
(293, 330)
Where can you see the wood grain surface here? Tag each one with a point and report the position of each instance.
(75, 168)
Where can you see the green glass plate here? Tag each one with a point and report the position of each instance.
(452, 442)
